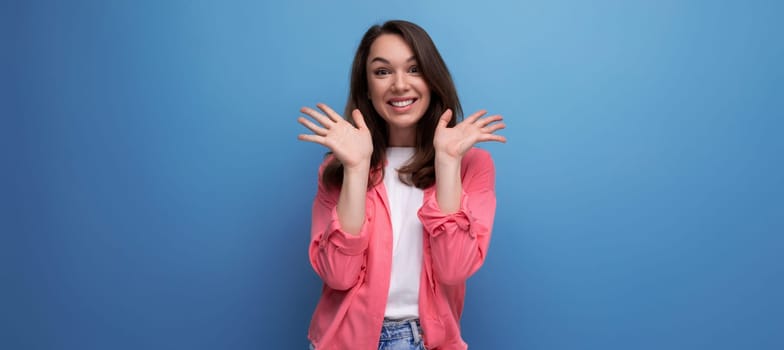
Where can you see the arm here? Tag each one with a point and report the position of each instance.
(459, 216)
(353, 194)
(459, 239)
(336, 254)
(338, 237)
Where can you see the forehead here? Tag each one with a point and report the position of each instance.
(390, 47)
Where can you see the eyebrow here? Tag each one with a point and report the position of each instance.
(383, 60)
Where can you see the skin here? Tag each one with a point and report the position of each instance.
(393, 76)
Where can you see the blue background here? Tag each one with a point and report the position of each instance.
(155, 195)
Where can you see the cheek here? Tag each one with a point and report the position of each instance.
(423, 88)
(375, 86)
(425, 92)
(376, 90)
(377, 104)
(376, 97)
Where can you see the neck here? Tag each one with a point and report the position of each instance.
(402, 137)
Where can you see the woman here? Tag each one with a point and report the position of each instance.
(405, 204)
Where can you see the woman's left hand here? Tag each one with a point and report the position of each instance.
(456, 141)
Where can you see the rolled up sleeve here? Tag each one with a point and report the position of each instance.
(336, 256)
(459, 240)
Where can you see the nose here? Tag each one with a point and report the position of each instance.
(401, 82)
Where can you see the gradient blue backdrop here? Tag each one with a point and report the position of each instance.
(155, 196)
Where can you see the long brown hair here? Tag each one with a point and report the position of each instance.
(420, 171)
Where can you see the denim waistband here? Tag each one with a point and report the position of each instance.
(401, 329)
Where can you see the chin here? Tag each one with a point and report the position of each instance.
(403, 120)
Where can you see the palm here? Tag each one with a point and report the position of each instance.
(457, 140)
(352, 145)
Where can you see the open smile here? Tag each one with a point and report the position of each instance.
(401, 104)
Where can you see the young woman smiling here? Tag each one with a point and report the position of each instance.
(405, 202)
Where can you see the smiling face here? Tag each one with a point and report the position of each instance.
(397, 88)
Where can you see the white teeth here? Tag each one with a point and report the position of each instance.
(402, 103)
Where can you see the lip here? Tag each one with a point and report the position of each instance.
(404, 98)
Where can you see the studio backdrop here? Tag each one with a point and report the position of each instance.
(155, 195)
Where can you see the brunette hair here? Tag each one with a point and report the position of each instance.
(420, 171)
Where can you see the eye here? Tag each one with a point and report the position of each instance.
(414, 70)
(381, 71)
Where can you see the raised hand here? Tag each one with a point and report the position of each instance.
(352, 145)
(456, 141)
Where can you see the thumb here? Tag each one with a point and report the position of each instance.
(443, 121)
(359, 120)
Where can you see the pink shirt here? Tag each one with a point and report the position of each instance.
(356, 269)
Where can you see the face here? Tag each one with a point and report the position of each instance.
(397, 88)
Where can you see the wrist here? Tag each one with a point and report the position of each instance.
(359, 168)
(447, 159)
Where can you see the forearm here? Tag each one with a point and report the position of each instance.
(449, 186)
(459, 238)
(458, 241)
(351, 203)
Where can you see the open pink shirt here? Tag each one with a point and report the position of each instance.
(356, 269)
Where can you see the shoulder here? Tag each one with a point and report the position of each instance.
(477, 169)
(328, 158)
(477, 158)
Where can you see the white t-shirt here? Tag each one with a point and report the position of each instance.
(404, 202)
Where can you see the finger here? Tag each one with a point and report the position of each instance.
(487, 120)
(329, 112)
(443, 121)
(359, 120)
(321, 140)
(493, 128)
(313, 127)
(491, 137)
(473, 117)
(326, 122)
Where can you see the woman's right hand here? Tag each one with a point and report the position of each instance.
(353, 146)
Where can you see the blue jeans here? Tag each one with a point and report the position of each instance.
(399, 335)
